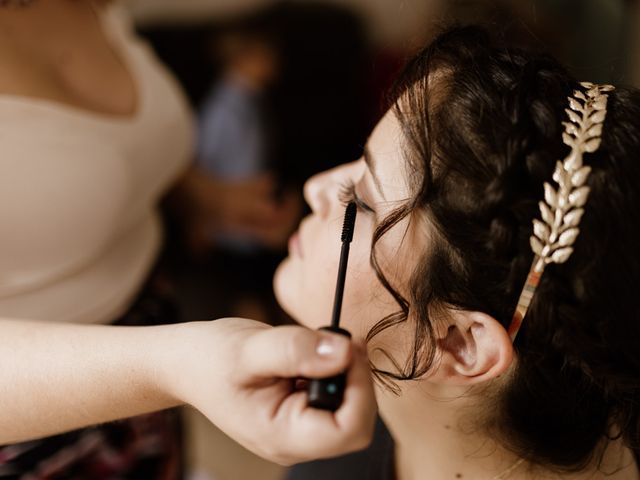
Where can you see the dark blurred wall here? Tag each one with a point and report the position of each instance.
(592, 37)
(334, 77)
(328, 95)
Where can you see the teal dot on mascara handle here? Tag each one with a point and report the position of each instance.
(332, 388)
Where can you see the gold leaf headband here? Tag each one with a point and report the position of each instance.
(561, 211)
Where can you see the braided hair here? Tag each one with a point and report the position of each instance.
(482, 126)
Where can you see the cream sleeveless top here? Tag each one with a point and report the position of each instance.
(79, 227)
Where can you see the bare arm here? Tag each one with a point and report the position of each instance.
(204, 203)
(56, 377)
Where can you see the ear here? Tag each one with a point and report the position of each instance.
(475, 348)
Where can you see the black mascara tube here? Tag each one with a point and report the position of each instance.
(327, 393)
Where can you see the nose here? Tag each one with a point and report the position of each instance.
(316, 193)
(322, 191)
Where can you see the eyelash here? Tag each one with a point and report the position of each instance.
(348, 194)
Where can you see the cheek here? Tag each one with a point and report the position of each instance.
(368, 300)
(359, 295)
(305, 287)
(280, 287)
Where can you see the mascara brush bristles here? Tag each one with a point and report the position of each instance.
(349, 222)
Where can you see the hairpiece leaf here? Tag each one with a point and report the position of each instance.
(540, 230)
(572, 219)
(579, 95)
(592, 145)
(568, 140)
(568, 237)
(600, 103)
(570, 128)
(580, 177)
(561, 210)
(547, 214)
(595, 131)
(573, 116)
(560, 174)
(578, 197)
(536, 246)
(575, 105)
(561, 256)
(550, 195)
(598, 117)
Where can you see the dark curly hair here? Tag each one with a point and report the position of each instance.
(483, 129)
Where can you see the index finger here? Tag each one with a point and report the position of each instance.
(292, 351)
(312, 433)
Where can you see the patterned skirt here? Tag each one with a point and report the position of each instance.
(145, 447)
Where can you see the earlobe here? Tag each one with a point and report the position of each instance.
(475, 348)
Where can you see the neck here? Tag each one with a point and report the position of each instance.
(433, 440)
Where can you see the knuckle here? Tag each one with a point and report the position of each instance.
(293, 345)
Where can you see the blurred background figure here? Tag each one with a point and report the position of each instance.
(236, 151)
(267, 84)
(233, 127)
(285, 89)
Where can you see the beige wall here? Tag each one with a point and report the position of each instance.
(146, 11)
(390, 21)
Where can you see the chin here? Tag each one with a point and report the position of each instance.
(283, 291)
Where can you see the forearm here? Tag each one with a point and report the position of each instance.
(237, 372)
(56, 377)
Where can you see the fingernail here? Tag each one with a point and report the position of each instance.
(332, 345)
(326, 347)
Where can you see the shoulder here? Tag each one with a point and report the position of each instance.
(118, 16)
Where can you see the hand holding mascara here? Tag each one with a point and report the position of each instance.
(327, 393)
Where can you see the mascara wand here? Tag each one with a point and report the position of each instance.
(327, 393)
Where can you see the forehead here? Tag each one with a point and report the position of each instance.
(385, 148)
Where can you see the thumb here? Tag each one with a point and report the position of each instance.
(290, 352)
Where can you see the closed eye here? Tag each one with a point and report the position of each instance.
(348, 194)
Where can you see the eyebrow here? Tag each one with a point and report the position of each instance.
(368, 159)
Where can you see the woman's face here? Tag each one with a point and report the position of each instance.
(305, 281)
